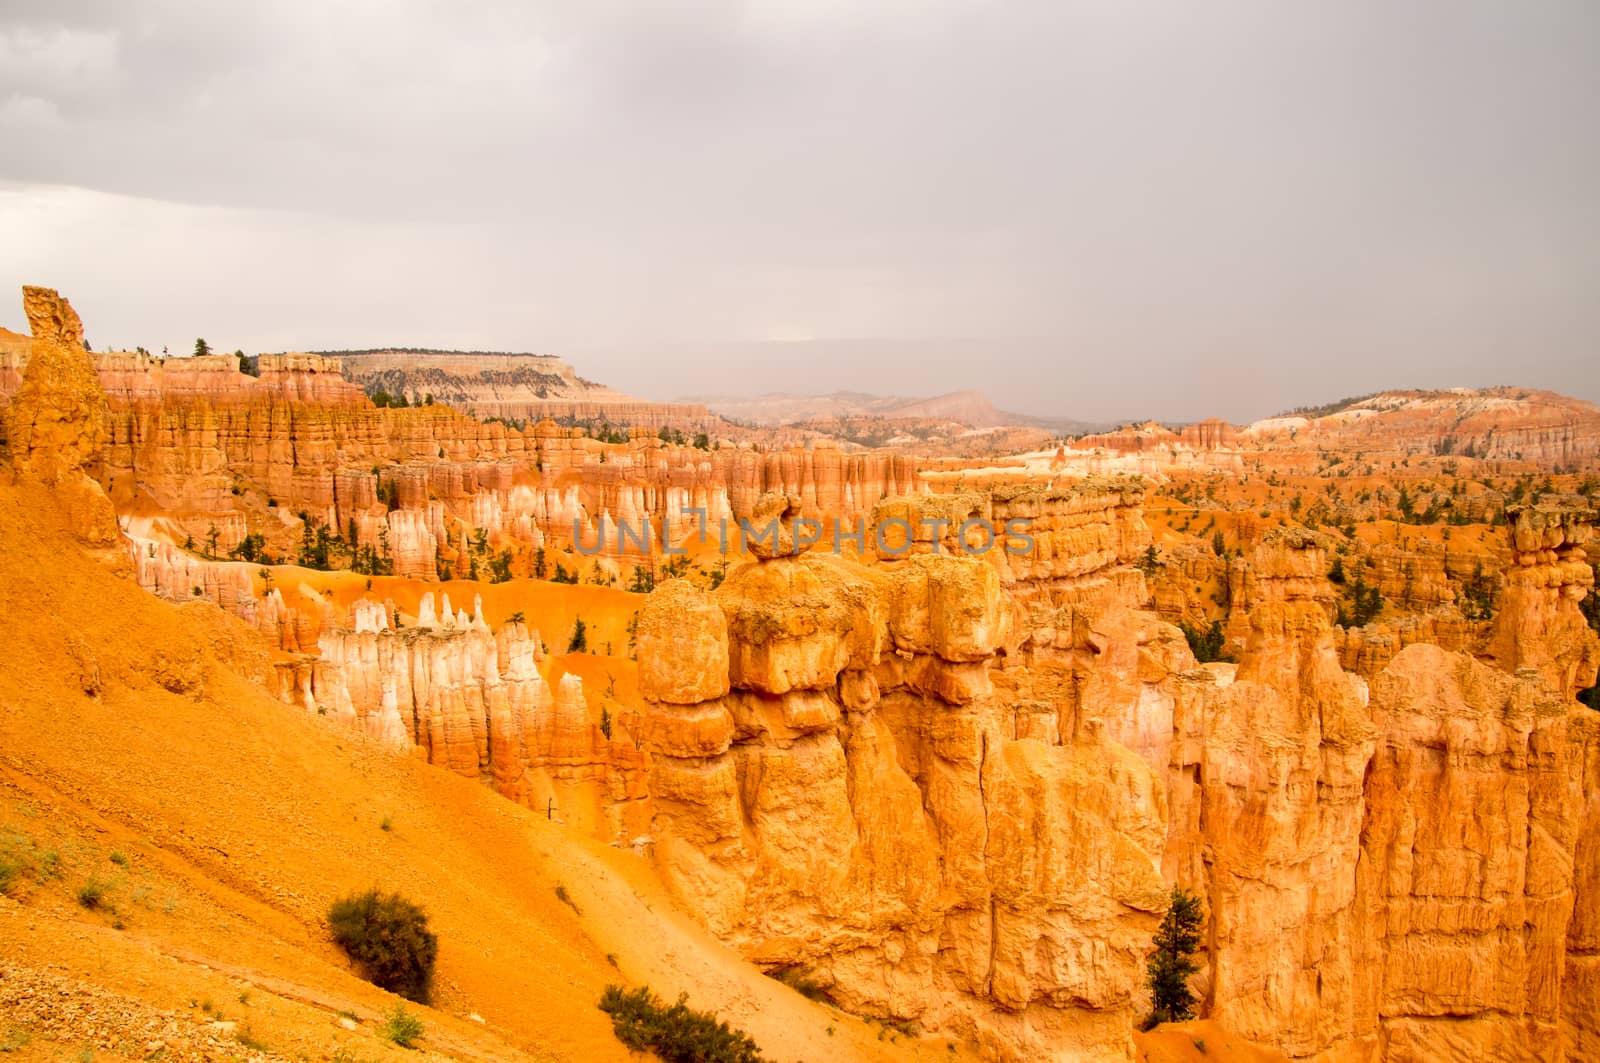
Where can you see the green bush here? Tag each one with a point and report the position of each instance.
(388, 938)
(676, 1034)
(401, 1027)
(92, 893)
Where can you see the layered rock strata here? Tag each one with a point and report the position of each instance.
(952, 786)
(475, 702)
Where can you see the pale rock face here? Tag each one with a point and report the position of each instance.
(473, 701)
(369, 617)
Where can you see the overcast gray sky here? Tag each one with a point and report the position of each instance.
(1101, 209)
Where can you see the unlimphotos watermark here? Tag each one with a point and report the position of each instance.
(891, 537)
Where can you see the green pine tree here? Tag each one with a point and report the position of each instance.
(1168, 970)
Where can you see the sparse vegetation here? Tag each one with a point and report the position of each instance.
(1366, 602)
(676, 1033)
(388, 938)
(20, 856)
(401, 1027)
(92, 894)
(246, 1037)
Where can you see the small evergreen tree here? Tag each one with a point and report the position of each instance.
(1206, 642)
(1168, 970)
(500, 566)
(644, 581)
(201, 348)
(580, 637)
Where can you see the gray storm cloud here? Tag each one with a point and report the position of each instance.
(1092, 209)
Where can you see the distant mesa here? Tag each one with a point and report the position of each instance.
(514, 386)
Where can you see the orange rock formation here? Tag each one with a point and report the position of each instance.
(950, 786)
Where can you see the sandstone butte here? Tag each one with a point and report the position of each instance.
(952, 789)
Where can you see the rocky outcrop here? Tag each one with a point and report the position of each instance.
(852, 795)
(207, 445)
(203, 444)
(475, 702)
(1266, 809)
(1368, 650)
(1466, 882)
(1387, 875)
(1539, 624)
(55, 423)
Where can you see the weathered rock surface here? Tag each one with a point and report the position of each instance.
(475, 702)
(861, 802)
(55, 423)
(1539, 624)
(952, 786)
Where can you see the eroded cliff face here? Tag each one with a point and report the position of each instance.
(526, 387)
(1466, 882)
(1267, 808)
(839, 784)
(473, 701)
(850, 794)
(203, 445)
(953, 788)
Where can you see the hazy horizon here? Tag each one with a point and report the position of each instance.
(1088, 210)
